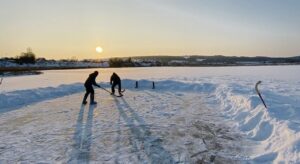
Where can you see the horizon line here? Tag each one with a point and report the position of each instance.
(74, 57)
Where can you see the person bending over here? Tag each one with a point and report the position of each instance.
(114, 81)
(90, 81)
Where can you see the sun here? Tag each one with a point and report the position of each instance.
(99, 49)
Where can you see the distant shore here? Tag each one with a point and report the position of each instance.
(15, 71)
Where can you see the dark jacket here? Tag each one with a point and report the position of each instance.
(115, 78)
(91, 80)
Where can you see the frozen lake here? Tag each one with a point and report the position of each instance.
(226, 93)
(287, 74)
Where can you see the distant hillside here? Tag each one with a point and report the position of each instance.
(217, 60)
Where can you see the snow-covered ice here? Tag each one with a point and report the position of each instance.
(194, 114)
(141, 127)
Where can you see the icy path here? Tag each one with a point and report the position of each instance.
(141, 127)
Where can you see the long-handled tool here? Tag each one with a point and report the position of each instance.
(111, 93)
(257, 91)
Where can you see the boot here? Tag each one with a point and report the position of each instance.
(92, 102)
(84, 99)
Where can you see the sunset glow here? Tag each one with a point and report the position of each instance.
(57, 29)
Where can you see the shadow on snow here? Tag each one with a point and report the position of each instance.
(142, 134)
(83, 137)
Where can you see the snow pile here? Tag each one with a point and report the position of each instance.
(16, 99)
(276, 129)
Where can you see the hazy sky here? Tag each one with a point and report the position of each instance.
(66, 28)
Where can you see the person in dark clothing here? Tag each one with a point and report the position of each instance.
(90, 81)
(114, 81)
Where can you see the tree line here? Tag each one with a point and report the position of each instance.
(27, 57)
(119, 62)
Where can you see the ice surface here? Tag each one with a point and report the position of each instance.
(229, 91)
(141, 127)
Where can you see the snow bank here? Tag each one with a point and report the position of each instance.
(16, 99)
(171, 85)
(276, 129)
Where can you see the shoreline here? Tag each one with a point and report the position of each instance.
(28, 68)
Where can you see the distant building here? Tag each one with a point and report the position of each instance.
(177, 62)
(200, 60)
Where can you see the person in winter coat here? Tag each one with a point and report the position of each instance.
(114, 81)
(90, 81)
